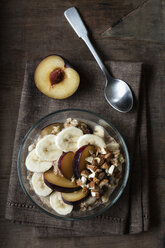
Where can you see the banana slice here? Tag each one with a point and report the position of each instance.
(35, 164)
(91, 139)
(66, 140)
(59, 205)
(46, 148)
(39, 186)
(99, 131)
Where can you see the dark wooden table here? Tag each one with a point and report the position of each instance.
(31, 29)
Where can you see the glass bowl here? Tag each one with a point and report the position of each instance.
(60, 116)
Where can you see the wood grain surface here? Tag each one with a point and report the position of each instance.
(31, 29)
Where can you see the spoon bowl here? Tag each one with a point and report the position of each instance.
(118, 95)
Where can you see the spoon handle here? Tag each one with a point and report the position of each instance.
(77, 24)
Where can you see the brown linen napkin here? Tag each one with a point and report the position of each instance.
(130, 213)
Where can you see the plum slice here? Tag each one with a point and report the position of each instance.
(74, 197)
(79, 162)
(51, 129)
(59, 183)
(65, 164)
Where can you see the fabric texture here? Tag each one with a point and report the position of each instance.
(130, 214)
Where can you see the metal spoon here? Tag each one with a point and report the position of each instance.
(117, 92)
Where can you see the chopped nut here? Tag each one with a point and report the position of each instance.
(95, 189)
(107, 155)
(94, 162)
(98, 170)
(95, 193)
(96, 180)
(83, 180)
(103, 151)
(94, 171)
(87, 186)
(79, 183)
(101, 156)
(105, 166)
(91, 152)
(92, 168)
(97, 159)
(85, 173)
(98, 150)
(102, 160)
(92, 175)
(101, 175)
(91, 178)
(114, 161)
(89, 159)
(92, 185)
(111, 170)
(104, 182)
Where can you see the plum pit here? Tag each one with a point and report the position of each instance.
(56, 76)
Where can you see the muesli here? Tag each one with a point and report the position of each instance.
(73, 166)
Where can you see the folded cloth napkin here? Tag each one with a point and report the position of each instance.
(130, 214)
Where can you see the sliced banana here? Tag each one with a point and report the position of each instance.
(39, 186)
(46, 148)
(66, 140)
(35, 164)
(99, 131)
(91, 139)
(59, 205)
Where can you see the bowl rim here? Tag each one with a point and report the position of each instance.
(99, 211)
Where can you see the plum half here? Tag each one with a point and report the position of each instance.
(79, 162)
(59, 183)
(56, 78)
(65, 164)
(74, 197)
